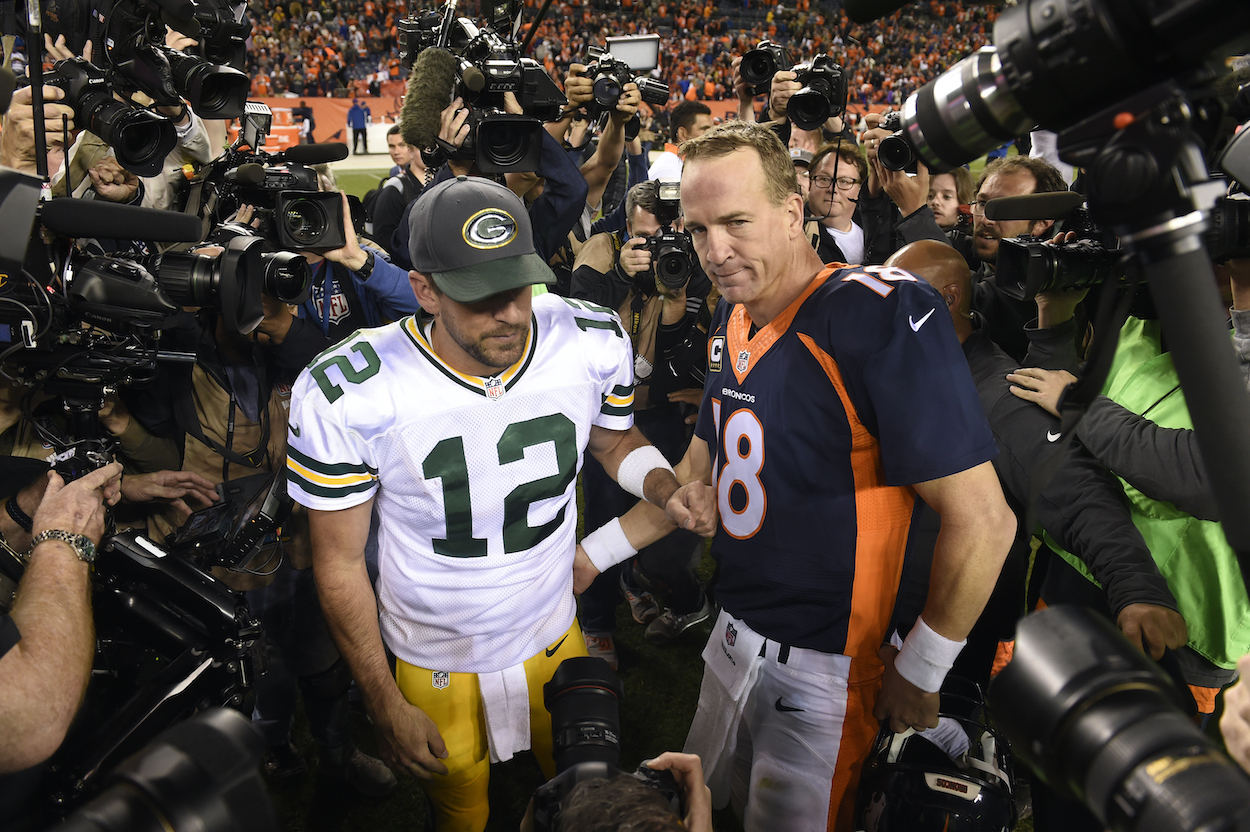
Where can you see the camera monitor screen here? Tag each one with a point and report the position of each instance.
(641, 52)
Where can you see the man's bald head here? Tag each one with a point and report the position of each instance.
(942, 267)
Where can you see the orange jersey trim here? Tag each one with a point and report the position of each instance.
(883, 520)
(738, 329)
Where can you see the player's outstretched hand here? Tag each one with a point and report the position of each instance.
(688, 772)
(901, 702)
(693, 507)
(409, 740)
(584, 572)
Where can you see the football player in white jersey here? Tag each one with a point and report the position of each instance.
(465, 425)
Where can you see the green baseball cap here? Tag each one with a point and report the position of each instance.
(473, 236)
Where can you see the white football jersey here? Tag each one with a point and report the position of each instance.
(474, 477)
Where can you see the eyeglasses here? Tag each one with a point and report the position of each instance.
(845, 183)
(802, 173)
(978, 207)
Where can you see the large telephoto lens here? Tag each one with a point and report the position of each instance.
(584, 699)
(1102, 724)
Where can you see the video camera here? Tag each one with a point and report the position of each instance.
(610, 77)
(485, 65)
(293, 213)
(584, 698)
(1027, 266)
(672, 252)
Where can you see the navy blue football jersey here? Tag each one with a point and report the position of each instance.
(817, 425)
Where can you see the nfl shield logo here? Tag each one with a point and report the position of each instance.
(744, 358)
(494, 388)
(441, 679)
(731, 635)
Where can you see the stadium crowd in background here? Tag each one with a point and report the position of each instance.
(304, 48)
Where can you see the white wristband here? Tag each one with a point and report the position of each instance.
(607, 545)
(636, 465)
(926, 657)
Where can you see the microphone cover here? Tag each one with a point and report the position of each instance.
(1052, 205)
(430, 83)
(73, 217)
(314, 154)
(247, 174)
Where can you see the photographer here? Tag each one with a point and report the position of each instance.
(662, 323)
(1012, 176)
(1082, 505)
(47, 639)
(354, 286)
(843, 227)
(231, 411)
(553, 213)
(614, 803)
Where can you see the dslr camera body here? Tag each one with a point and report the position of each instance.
(672, 251)
(823, 95)
(759, 65)
(610, 76)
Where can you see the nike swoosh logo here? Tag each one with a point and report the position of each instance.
(551, 651)
(1052, 437)
(295, 429)
(916, 324)
(787, 708)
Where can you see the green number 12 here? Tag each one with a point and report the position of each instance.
(446, 462)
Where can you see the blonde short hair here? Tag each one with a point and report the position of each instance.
(779, 179)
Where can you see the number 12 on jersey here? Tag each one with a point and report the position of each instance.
(446, 462)
(741, 447)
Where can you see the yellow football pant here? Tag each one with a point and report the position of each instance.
(459, 797)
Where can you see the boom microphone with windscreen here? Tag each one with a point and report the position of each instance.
(95, 218)
(430, 84)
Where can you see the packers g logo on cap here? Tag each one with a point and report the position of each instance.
(490, 228)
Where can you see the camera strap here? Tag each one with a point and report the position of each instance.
(184, 406)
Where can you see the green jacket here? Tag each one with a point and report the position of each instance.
(1192, 554)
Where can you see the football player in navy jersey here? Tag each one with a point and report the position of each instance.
(835, 397)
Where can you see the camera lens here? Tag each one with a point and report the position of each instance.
(607, 91)
(894, 153)
(305, 221)
(758, 67)
(809, 107)
(189, 279)
(584, 698)
(672, 268)
(287, 276)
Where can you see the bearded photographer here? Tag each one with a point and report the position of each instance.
(618, 271)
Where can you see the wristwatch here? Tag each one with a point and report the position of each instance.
(367, 269)
(81, 544)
